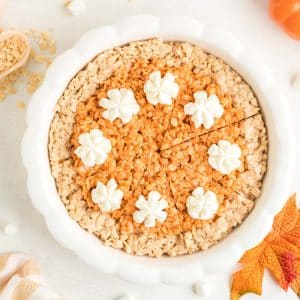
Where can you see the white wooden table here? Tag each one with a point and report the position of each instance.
(247, 19)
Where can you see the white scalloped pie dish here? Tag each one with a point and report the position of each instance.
(41, 184)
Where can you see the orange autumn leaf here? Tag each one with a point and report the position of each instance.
(279, 252)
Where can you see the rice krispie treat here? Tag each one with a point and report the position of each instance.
(249, 135)
(169, 125)
(158, 148)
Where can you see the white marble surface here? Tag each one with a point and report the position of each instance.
(247, 19)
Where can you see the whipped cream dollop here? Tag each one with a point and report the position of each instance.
(150, 209)
(107, 197)
(119, 104)
(204, 110)
(202, 205)
(94, 148)
(224, 156)
(161, 90)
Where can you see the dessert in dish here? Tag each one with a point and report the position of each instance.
(158, 148)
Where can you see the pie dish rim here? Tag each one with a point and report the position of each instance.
(170, 270)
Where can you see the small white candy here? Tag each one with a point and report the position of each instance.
(76, 7)
(125, 297)
(296, 83)
(202, 288)
(11, 229)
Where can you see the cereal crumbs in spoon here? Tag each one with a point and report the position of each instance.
(14, 52)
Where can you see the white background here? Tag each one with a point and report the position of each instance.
(247, 19)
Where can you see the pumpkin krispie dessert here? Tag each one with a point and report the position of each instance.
(158, 148)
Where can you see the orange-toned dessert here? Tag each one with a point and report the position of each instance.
(158, 148)
(248, 134)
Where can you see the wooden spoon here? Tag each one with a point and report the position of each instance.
(5, 36)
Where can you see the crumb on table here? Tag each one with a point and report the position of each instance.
(34, 81)
(21, 105)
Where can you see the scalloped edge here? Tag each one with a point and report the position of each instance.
(170, 270)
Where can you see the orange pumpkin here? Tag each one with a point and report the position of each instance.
(287, 14)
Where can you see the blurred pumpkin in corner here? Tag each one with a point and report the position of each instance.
(287, 14)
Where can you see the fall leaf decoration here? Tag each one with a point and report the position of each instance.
(279, 252)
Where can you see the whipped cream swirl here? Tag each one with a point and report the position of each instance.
(151, 209)
(204, 110)
(119, 104)
(94, 148)
(224, 157)
(107, 197)
(161, 90)
(202, 205)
